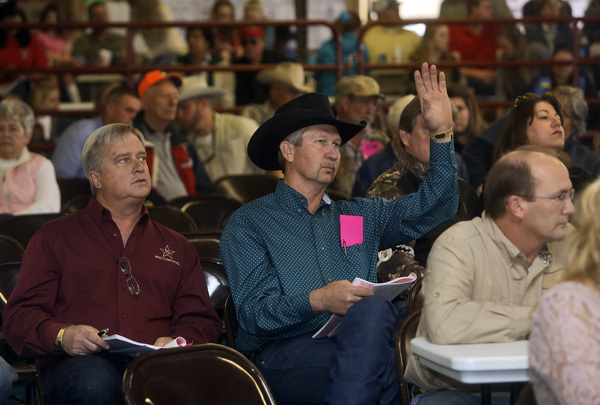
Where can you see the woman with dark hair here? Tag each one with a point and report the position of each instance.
(434, 48)
(534, 120)
(55, 40)
(18, 50)
(226, 40)
(57, 45)
(470, 123)
(538, 120)
(512, 80)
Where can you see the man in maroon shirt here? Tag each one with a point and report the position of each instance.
(107, 266)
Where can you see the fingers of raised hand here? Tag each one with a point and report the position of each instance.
(426, 76)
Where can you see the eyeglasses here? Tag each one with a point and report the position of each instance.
(561, 199)
(249, 41)
(132, 283)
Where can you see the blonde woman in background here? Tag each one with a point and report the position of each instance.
(564, 349)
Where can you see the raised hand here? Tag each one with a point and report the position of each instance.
(435, 104)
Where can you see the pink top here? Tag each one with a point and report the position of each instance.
(56, 45)
(564, 346)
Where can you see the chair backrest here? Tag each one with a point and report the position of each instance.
(76, 203)
(246, 187)
(204, 233)
(200, 374)
(172, 218)
(207, 247)
(414, 301)
(9, 273)
(180, 202)
(23, 227)
(405, 334)
(211, 212)
(10, 250)
(70, 188)
(231, 322)
(216, 283)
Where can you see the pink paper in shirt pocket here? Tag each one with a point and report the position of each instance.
(369, 148)
(351, 230)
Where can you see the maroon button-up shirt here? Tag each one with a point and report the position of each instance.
(70, 275)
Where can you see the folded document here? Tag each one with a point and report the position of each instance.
(121, 344)
(388, 290)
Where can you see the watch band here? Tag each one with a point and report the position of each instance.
(59, 337)
(443, 135)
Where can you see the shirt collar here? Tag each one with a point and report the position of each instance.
(293, 199)
(101, 214)
(510, 252)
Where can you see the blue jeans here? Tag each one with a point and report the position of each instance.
(356, 366)
(91, 379)
(452, 397)
(8, 375)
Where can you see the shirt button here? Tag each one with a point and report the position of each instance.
(299, 209)
(124, 315)
(314, 219)
(116, 235)
(322, 249)
(330, 280)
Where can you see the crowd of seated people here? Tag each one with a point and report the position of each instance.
(190, 143)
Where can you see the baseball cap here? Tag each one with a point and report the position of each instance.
(157, 76)
(251, 31)
(381, 5)
(361, 86)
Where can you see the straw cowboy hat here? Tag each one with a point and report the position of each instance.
(286, 72)
(304, 111)
(196, 86)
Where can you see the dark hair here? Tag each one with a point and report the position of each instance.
(409, 115)
(422, 53)
(471, 4)
(218, 4)
(347, 21)
(519, 118)
(476, 122)
(117, 92)
(93, 5)
(209, 36)
(9, 9)
(510, 175)
(53, 8)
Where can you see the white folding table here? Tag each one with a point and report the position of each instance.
(485, 363)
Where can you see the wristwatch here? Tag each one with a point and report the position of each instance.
(59, 337)
(443, 135)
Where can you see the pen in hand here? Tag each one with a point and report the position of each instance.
(103, 332)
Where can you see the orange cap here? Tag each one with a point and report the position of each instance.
(251, 31)
(157, 76)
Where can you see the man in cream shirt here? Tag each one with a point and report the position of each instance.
(220, 139)
(485, 276)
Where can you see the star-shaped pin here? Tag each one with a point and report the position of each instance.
(167, 252)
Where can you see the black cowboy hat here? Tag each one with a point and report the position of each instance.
(304, 111)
